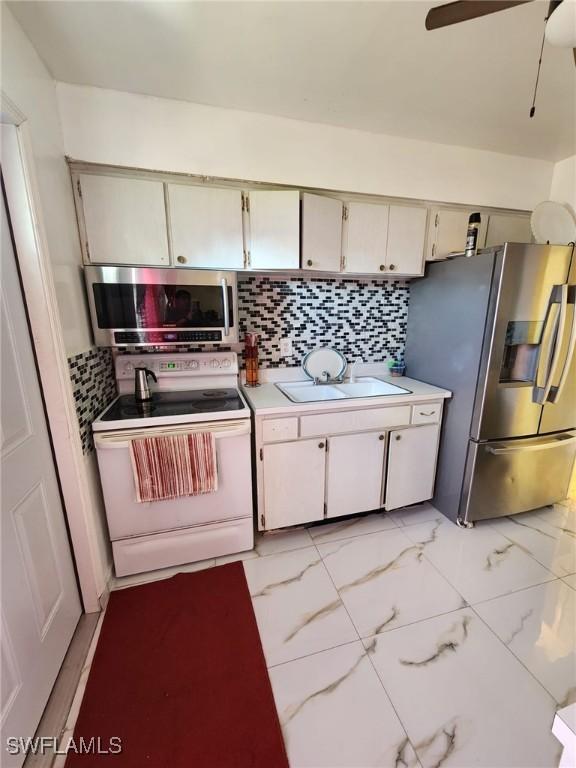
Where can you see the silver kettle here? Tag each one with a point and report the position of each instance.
(142, 392)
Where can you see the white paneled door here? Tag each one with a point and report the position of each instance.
(40, 604)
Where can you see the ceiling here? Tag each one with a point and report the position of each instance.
(366, 65)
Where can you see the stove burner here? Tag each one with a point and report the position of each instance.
(142, 409)
(216, 393)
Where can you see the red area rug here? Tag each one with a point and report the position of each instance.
(180, 677)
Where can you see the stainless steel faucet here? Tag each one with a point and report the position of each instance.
(325, 378)
(353, 367)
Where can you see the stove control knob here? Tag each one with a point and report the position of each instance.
(215, 363)
(194, 364)
(226, 363)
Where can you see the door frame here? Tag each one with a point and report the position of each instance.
(35, 266)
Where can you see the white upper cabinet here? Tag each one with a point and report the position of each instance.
(124, 220)
(365, 236)
(447, 232)
(274, 229)
(406, 236)
(321, 233)
(508, 228)
(206, 227)
(384, 239)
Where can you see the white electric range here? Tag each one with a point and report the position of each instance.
(194, 392)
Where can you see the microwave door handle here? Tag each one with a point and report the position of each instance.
(226, 307)
(571, 347)
(557, 344)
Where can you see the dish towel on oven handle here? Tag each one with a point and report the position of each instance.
(170, 466)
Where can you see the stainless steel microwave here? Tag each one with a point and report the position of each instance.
(151, 306)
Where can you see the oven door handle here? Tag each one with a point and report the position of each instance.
(524, 448)
(226, 307)
(112, 440)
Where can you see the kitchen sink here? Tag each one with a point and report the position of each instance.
(366, 386)
(308, 392)
(369, 387)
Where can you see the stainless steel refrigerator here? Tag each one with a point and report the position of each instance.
(499, 331)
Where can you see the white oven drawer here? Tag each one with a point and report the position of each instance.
(126, 517)
(187, 545)
(428, 413)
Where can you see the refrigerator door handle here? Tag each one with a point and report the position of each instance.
(564, 440)
(571, 299)
(541, 394)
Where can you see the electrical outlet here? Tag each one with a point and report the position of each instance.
(286, 347)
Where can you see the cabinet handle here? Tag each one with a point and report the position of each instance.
(381, 437)
(321, 445)
(398, 437)
(181, 259)
(382, 267)
(426, 413)
(309, 263)
(392, 267)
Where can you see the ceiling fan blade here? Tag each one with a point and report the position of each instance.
(463, 10)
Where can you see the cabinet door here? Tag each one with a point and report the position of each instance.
(448, 230)
(406, 236)
(355, 473)
(294, 478)
(411, 465)
(206, 227)
(125, 220)
(366, 232)
(503, 228)
(274, 222)
(321, 233)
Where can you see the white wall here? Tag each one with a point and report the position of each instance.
(29, 86)
(106, 126)
(563, 185)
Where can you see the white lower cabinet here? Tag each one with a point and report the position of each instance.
(355, 473)
(294, 480)
(411, 465)
(388, 462)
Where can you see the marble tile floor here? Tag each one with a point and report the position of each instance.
(400, 640)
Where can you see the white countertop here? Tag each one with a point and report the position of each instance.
(267, 399)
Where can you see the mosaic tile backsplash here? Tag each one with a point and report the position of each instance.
(360, 317)
(92, 375)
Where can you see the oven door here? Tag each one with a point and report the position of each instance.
(157, 307)
(129, 518)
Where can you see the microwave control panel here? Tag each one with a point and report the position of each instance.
(166, 337)
(176, 365)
